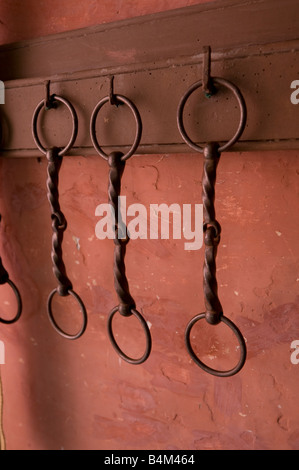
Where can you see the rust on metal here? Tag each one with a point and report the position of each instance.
(117, 162)
(131, 52)
(211, 227)
(54, 157)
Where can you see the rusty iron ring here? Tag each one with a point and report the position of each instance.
(233, 327)
(243, 113)
(19, 303)
(72, 111)
(121, 99)
(54, 323)
(147, 336)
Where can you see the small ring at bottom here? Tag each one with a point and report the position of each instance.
(218, 373)
(147, 336)
(19, 302)
(53, 321)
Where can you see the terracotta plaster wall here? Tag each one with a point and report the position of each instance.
(60, 394)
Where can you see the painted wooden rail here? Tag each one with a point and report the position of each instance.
(154, 59)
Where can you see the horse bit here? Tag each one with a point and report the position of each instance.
(117, 161)
(59, 224)
(211, 227)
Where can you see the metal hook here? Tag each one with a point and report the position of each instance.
(50, 102)
(112, 96)
(207, 82)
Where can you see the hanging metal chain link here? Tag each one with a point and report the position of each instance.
(117, 161)
(212, 231)
(211, 227)
(54, 157)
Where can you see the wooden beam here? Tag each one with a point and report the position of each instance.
(154, 59)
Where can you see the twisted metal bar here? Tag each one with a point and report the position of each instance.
(116, 161)
(59, 223)
(212, 230)
(126, 305)
(121, 238)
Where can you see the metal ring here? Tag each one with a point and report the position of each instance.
(243, 113)
(72, 111)
(19, 302)
(147, 335)
(136, 115)
(218, 373)
(212, 223)
(53, 321)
